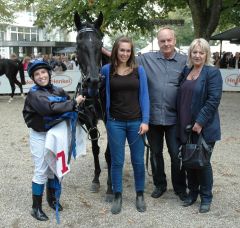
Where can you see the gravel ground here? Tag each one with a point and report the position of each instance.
(85, 209)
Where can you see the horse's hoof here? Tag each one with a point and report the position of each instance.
(10, 100)
(109, 198)
(95, 187)
(23, 96)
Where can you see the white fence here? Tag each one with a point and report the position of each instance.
(69, 79)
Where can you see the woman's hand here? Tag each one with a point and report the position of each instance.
(197, 128)
(80, 99)
(143, 129)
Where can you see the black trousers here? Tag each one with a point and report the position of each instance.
(155, 138)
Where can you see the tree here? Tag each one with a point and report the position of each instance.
(206, 15)
(6, 11)
(134, 15)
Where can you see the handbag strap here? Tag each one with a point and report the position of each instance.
(202, 141)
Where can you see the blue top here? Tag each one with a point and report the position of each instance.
(143, 92)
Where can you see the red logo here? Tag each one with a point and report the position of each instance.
(61, 81)
(233, 80)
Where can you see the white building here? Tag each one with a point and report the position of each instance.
(23, 38)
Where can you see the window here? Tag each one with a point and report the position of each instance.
(14, 37)
(27, 37)
(20, 37)
(33, 37)
(23, 34)
(1, 36)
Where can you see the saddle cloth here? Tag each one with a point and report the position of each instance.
(57, 145)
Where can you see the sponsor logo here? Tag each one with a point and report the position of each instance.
(61, 81)
(233, 80)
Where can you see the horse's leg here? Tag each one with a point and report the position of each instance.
(19, 84)
(13, 90)
(95, 150)
(109, 192)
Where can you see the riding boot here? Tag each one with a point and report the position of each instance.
(140, 203)
(51, 199)
(37, 212)
(117, 203)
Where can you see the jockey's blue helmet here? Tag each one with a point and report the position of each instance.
(38, 64)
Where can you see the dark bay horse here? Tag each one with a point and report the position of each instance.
(89, 55)
(10, 68)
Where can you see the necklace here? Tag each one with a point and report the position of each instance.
(195, 75)
(124, 72)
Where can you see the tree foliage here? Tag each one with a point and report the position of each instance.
(136, 15)
(6, 11)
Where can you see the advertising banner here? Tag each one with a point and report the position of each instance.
(231, 79)
(66, 79)
(69, 79)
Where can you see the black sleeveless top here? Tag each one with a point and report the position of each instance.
(124, 96)
(185, 115)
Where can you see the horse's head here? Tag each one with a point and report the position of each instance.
(89, 49)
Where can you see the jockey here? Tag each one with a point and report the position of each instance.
(44, 107)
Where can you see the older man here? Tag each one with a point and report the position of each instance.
(164, 69)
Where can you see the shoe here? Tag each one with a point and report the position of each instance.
(37, 212)
(157, 192)
(182, 195)
(51, 199)
(117, 203)
(140, 203)
(189, 201)
(204, 208)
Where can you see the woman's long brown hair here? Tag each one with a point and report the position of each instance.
(114, 60)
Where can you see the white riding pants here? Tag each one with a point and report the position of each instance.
(37, 146)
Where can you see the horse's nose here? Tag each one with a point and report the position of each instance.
(92, 80)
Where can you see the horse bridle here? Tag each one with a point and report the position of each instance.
(83, 30)
(83, 108)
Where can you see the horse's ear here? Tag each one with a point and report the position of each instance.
(99, 21)
(77, 20)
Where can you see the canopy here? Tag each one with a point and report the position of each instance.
(233, 35)
(67, 50)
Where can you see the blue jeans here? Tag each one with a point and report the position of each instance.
(155, 137)
(118, 132)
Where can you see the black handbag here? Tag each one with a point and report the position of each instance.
(194, 156)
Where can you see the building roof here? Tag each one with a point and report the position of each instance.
(233, 35)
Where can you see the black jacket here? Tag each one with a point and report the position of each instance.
(45, 104)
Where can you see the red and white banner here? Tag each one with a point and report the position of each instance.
(69, 79)
(231, 79)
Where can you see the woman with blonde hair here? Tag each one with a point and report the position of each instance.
(199, 97)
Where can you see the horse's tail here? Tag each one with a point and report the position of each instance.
(21, 72)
